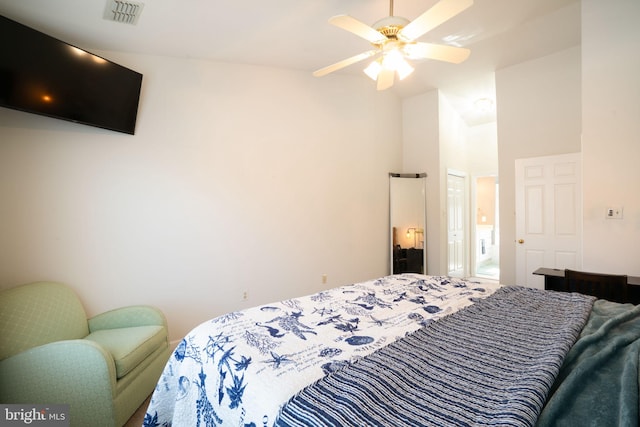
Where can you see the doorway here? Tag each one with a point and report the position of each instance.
(486, 228)
(548, 215)
(456, 230)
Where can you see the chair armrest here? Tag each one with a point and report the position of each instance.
(127, 317)
(75, 372)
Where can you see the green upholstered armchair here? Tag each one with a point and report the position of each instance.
(103, 367)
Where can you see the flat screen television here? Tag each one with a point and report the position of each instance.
(43, 75)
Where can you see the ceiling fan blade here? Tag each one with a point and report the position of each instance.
(358, 28)
(439, 52)
(385, 78)
(439, 13)
(344, 63)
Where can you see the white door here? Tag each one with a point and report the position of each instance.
(456, 225)
(548, 216)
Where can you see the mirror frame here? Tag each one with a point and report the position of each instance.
(421, 202)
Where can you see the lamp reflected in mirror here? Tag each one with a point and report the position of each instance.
(418, 244)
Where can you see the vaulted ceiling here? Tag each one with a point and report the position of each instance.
(295, 34)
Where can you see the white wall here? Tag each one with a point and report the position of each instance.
(611, 134)
(539, 113)
(421, 153)
(436, 139)
(579, 99)
(454, 157)
(482, 149)
(239, 178)
(582, 99)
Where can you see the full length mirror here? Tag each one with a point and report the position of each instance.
(407, 220)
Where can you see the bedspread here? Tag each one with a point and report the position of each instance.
(240, 368)
(490, 364)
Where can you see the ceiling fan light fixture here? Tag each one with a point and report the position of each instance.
(394, 60)
(483, 105)
(395, 37)
(373, 70)
(404, 69)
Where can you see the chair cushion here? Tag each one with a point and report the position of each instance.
(129, 346)
(39, 313)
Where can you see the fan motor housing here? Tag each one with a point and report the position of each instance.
(390, 26)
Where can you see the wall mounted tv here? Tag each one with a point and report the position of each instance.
(43, 75)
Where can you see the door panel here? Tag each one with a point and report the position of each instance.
(534, 200)
(566, 258)
(565, 202)
(456, 225)
(534, 258)
(548, 216)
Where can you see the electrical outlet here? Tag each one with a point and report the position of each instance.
(614, 213)
(245, 296)
(324, 279)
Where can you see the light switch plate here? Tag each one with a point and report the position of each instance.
(614, 212)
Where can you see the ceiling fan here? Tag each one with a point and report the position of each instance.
(394, 38)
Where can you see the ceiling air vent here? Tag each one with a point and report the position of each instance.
(126, 12)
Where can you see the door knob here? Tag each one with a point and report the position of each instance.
(521, 241)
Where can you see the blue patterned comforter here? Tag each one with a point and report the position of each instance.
(240, 368)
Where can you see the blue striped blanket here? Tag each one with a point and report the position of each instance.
(491, 363)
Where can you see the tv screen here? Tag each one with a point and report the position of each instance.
(43, 75)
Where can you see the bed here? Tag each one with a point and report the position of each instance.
(408, 349)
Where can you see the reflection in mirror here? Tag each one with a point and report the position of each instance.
(407, 218)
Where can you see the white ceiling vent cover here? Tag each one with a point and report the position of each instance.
(127, 12)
